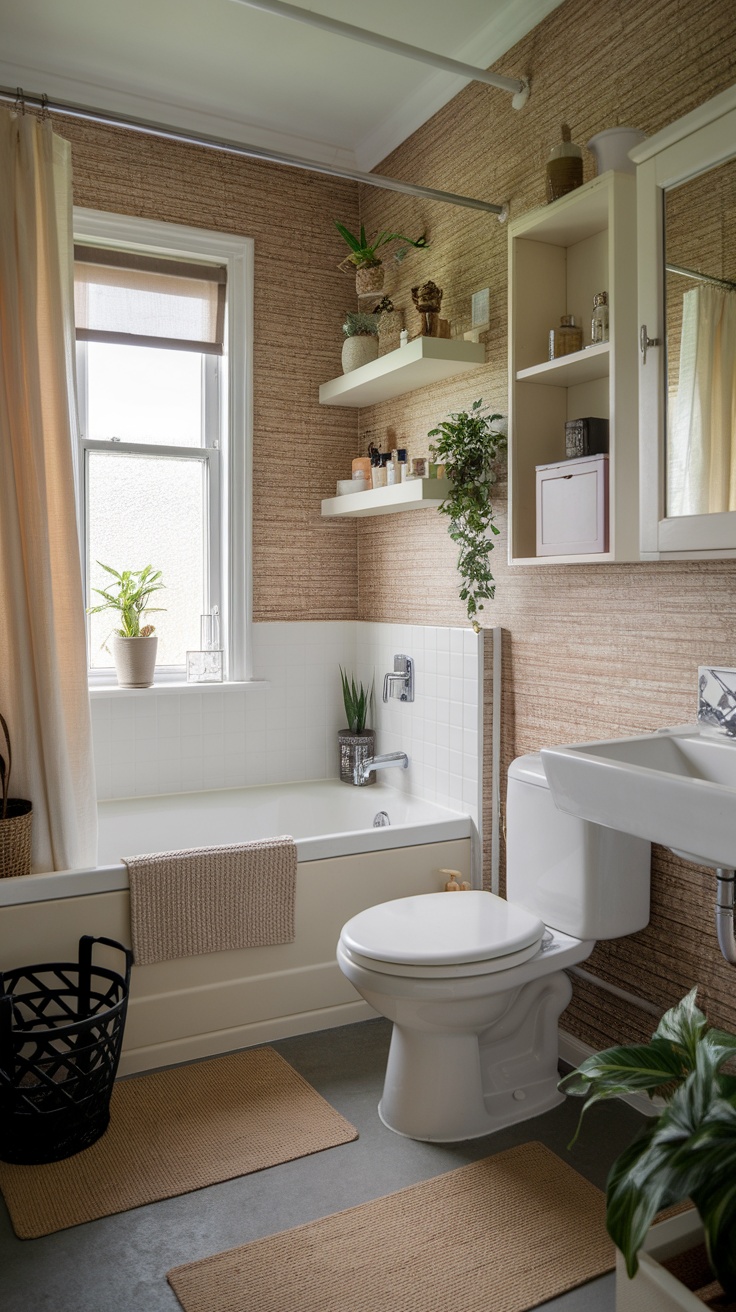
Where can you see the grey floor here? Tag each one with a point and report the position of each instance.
(119, 1264)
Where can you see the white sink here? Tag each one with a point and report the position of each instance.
(676, 787)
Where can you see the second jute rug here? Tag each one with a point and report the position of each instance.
(175, 1131)
(501, 1235)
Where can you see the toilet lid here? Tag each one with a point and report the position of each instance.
(439, 929)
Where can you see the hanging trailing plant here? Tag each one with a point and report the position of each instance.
(469, 444)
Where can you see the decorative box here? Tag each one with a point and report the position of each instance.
(572, 507)
(586, 437)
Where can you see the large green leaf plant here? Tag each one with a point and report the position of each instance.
(689, 1151)
(471, 444)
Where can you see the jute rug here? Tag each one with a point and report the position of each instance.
(502, 1235)
(175, 1131)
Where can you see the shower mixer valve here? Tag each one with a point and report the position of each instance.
(401, 683)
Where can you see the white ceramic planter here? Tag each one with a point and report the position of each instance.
(358, 350)
(611, 149)
(135, 660)
(653, 1288)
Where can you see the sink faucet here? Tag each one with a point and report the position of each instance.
(364, 768)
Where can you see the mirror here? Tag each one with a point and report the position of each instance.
(700, 343)
(686, 249)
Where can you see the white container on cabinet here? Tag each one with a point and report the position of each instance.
(572, 507)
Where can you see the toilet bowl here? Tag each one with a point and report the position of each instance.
(475, 984)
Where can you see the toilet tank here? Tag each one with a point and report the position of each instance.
(578, 877)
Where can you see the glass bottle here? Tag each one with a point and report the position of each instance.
(599, 322)
(564, 167)
(568, 337)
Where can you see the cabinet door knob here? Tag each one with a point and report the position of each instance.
(645, 342)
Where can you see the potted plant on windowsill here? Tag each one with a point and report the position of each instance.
(472, 447)
(356, 743)
(688, 1151)
(364, 257)
(16, 818)
(133, 646)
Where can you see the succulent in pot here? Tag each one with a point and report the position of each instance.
(16, 817)
(688, 1151)
(364, 257)
(356, 742)
(133, 644)
(361, 339)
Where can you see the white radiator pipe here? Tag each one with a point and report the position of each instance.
(518, 87)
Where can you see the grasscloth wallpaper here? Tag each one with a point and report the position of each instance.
(589, 651)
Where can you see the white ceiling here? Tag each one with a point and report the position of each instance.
(225, 70)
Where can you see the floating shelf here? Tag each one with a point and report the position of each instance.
(415, 494)
(569, 370)
(423, 361)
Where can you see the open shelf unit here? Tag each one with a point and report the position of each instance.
(417, 493)
(423, 361)
(560, 255)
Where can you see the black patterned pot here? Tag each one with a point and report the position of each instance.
(354, 748)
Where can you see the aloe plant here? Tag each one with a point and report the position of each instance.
(468, 444)
(134, 587)
(357, 701)
(689, 1151)
(364, 250)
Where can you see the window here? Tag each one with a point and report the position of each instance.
(162, 317)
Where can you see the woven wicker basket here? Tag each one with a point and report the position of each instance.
(15, 839)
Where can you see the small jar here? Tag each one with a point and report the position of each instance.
(361, 468)
(378, 471)
(419, 467)
(599, 321)
(568, 337)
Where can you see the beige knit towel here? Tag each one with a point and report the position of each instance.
(211, 899)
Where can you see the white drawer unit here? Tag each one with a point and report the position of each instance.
(572, 507)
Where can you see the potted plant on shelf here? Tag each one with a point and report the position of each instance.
(361, 339)
(16, 818)
(356, 743)
(133, 646)
(472, 447)
(688, 1151)
(364, 257)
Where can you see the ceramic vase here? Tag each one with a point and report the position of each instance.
(611, 149)
(135, 660)
(358, 350)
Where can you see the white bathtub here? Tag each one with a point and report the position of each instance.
(197, 1006)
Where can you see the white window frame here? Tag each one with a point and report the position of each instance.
(229, 571)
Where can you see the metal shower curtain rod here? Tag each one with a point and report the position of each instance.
(167, 133)
(702, 277)
(519, 87)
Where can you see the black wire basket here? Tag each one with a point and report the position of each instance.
(61, 1032)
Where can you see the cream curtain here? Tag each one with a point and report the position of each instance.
(701, 448)
(43, 666)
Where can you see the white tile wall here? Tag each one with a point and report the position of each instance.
(283, 726)
(441, 730)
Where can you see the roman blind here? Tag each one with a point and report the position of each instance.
(131, 299)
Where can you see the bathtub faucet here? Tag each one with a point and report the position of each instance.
(364, 768)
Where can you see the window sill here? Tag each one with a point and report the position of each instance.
(98, 690)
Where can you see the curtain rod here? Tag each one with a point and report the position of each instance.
(519, 87)
(701, 277)
(166, 133)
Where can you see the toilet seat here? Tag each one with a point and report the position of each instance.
(435, 936)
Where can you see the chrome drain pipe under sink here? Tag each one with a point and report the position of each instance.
(724, 913)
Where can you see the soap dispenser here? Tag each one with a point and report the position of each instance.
(564, 167)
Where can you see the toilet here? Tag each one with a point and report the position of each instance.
(475, 985)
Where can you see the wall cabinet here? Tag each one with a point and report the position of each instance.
(560, 256)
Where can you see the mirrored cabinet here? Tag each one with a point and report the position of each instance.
(686, 203)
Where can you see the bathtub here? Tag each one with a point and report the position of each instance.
(198, 1006)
